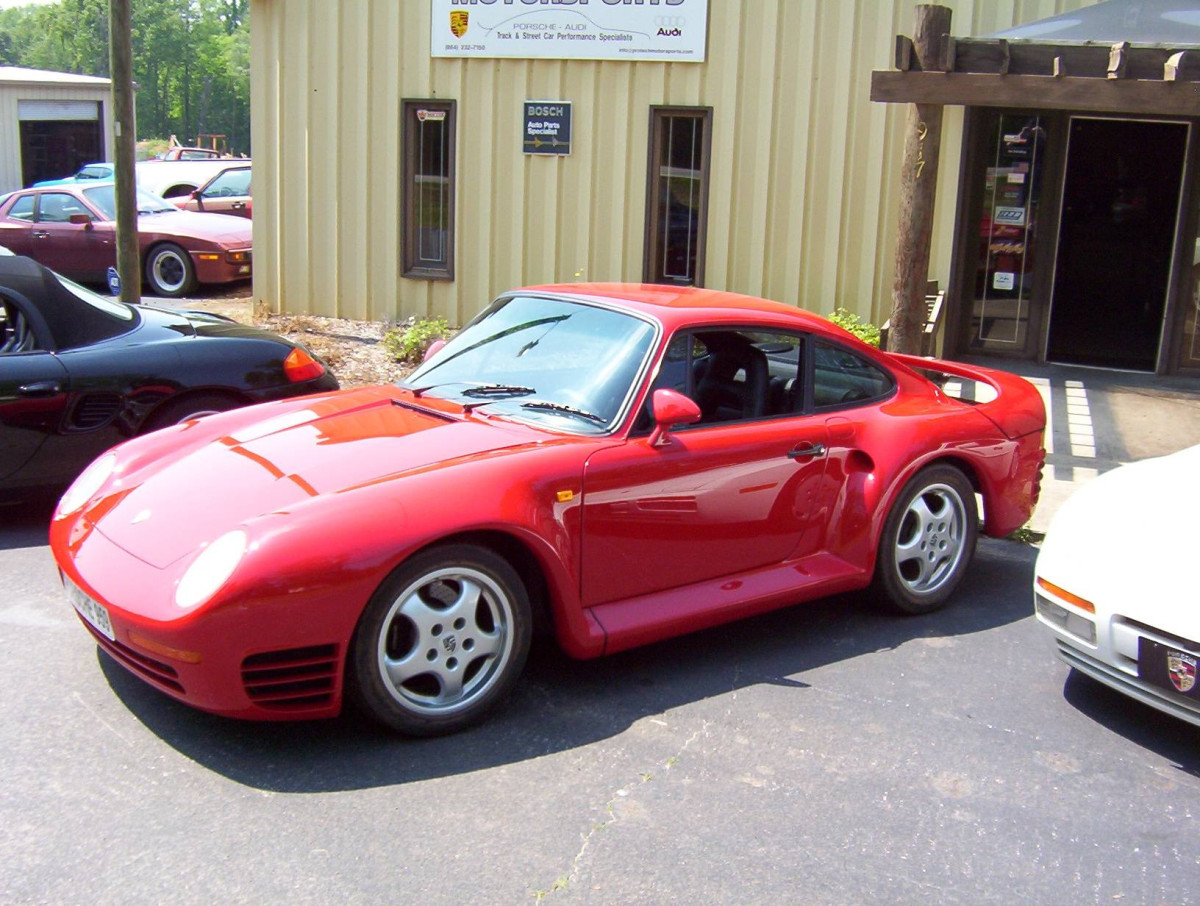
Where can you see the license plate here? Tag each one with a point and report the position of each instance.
(1170, 667)
(92, 611)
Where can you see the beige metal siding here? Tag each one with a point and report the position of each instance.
(804, 190)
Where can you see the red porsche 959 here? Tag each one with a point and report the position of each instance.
(614, 463)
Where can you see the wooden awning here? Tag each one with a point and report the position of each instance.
(997, 72)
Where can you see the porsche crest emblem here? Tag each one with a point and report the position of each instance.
(459, 19)
(1182, 670)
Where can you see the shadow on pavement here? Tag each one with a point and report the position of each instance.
(561, 704)
(26, 524)
(1168, 737)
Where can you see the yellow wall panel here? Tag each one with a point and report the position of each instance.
(803, 187)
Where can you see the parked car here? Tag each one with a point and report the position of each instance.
(180, 152)
(86, 173)
(178, 178)
(72, 229)
(80, 372)
(1116, 600)
(226, 193)
(619, 464)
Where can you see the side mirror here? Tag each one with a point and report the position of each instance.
(434, 348)
(670, 408)
(80, 219)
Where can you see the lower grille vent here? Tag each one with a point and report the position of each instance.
(292, 679)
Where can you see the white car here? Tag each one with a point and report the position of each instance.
(1115, 582)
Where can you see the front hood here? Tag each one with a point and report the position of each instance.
(1126, 542)
(339, 442)
(232, 232)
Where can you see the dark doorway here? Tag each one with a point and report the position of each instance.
(51, 149)
(1120, 206)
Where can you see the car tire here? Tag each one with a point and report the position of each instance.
(927, 543)
(441, 642)
(198, 405)
(169, 271)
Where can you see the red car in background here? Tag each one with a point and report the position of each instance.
(614, 464)
(72, 229)
(226, 193)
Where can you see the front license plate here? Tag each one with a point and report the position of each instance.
(1170, 667)
(92, 611)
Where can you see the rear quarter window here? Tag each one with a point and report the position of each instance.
(844, 378)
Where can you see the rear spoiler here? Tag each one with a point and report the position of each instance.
(1015, 406)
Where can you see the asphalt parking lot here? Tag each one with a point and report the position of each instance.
(824, 754)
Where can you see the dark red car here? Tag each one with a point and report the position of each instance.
(71, 229)
(613, 464)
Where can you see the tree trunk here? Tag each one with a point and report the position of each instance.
(918, 187)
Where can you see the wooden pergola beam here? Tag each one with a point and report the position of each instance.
(1175, 98)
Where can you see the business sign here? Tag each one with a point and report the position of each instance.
(1010, 216)
(547, 127)
(659, 30)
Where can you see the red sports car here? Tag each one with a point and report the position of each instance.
(617, 464)
(72, 229)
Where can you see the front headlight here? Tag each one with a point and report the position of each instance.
(211, 569)
(86, 485)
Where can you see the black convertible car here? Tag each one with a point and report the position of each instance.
(80, 372)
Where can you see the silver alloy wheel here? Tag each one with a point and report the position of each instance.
(445, 641)
(168, 271)
(932, 539)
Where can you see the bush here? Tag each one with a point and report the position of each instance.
(864, 330)
(408, 342)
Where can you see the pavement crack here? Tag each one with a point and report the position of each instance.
(563, 882)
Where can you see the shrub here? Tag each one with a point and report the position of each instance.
(864, 330)
(408, 342)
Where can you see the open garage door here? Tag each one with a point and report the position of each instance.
(58, 137)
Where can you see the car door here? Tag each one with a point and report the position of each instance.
(226, 193)
(83, 250)
(16, 224)
(33, 390)
(729, 495)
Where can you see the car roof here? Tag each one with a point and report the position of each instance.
(678, 305)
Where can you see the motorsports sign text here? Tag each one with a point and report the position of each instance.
(627, 30)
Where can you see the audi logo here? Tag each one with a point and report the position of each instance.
(670, 21)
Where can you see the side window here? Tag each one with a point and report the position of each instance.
(735, 375)
(428, 189)
(231, 182)
(843, 378)
(57, 207)
(22, 208)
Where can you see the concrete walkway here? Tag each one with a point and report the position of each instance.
(1099, 419)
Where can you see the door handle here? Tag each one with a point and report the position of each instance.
(804, 451)
(237, 205)
(40, 389)
(41, 234)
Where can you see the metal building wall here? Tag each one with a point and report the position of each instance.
(804, 187)
(11, 92)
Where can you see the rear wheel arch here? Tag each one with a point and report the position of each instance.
(193, 403)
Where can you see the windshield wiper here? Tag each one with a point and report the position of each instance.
(486, 390)
(478, 389)
(548, 406)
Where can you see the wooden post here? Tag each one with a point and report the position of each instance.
(918, 185)
(120, 57)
